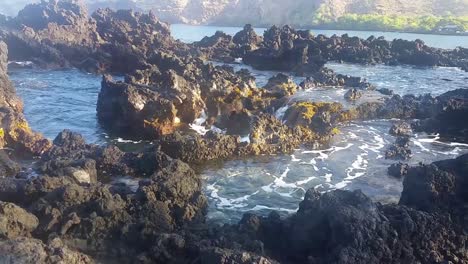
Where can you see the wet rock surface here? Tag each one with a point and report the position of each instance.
(400, 150)
(401, 129)
(14, 130)
(398, 170)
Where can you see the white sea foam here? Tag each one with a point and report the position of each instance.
(294, 159)
(281, 111)
(121, 140)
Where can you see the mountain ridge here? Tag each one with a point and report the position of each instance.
(268, 12)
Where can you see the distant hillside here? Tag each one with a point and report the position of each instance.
(297, 12)
(405, 15)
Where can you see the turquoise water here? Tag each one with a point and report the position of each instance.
(188, 33)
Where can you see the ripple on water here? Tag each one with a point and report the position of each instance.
(355, 161)
(55, 100)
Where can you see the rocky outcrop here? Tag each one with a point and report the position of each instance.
(287, 49)
(219, 46)
(281, 85)
(451, 107)
(398, 170)
(347, 227)
(438, 114)
(401, 129)
(328, 78)
(322, 118)
(283, 49)
(14, 130)
(399, 150)
(61, 34)
(353, 95)
(87, 163)
(8, 167)
(154, 102)
(28, 250)
(267, 135)
(15, 221)
(110, 220)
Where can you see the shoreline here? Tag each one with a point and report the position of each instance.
(325, 28)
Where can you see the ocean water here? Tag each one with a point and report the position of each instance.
(66, 99)
(188, 33)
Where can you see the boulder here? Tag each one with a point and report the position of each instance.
(353, 95)
(281, 85)
(15, 221)
(29, 250)
(8, 168)
(401, 129)
(399, 150)
(398, 170)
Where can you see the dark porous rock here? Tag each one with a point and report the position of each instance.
(29, 250)
(87, 163)
(108, 220)
(14, 130)
(239, 123)
(347, 227)
(15, 221)
(247, 40)
(62, 34)
(399, 150)
(385, 91)
(401, 129)
(226, 256)
(155, 102)
(125, 108)
(308, 83)
(197, 149)
(8, 168)
(451, 107)
(270, 136)
(439, 187)
(217, 47)
(398, 170)
(281, 85)
(353, 95)
(325, 77)
(321, 118)
(285, 49)
(52, 33)
(408, 106)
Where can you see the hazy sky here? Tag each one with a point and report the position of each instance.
(11, 7)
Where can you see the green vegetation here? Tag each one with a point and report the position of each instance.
(449, 24)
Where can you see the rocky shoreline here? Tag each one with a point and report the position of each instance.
(71, 211)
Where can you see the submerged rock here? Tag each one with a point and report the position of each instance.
(281, 85)
(353, 95)
(401, 129)
(399, 150)
(398, 170)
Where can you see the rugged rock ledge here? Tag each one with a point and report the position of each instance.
(287, 49)
(162, 221)
(16, 138)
